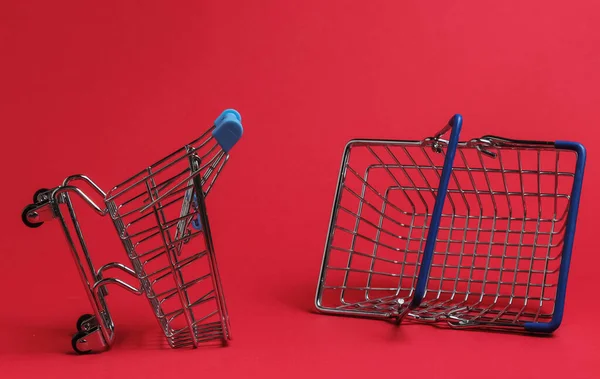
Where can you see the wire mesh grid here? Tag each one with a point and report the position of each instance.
(498, 249)
(499, 245)
(154, 212)
(379, 228)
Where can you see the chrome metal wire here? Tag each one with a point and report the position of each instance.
(153, 212)
(161, 219)
(498, 249)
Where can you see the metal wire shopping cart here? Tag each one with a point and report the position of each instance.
(161, 219)
(475, 234)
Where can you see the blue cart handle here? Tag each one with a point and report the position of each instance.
(228, 129)
(226, 112)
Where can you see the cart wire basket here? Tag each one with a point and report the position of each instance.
(161, 219)
(474, 234)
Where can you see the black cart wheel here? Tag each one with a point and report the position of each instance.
(75, 339)
(37, 193)
(89, 320)
(26, 221)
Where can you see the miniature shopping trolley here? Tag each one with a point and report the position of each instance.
(474, 234)
(161, 219)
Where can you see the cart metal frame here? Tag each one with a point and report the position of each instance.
(160, 216)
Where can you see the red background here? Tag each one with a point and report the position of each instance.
(106, 88)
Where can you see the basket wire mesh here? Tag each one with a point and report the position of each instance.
(497, 254)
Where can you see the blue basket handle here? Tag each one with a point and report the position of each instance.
(454, 126)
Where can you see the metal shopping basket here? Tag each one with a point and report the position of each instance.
(471, 234)
(161, 219)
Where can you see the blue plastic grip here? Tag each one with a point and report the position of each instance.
(456, 124)
(226, 112)
(228, 129)
(561, 291)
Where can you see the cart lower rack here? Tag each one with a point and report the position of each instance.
(161, 219)
(475, 234)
